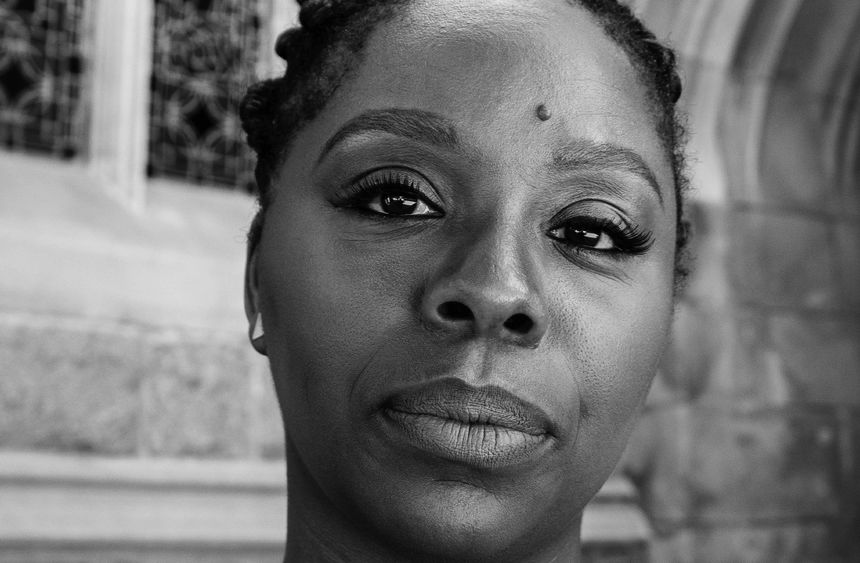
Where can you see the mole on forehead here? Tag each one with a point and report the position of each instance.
(543, 112)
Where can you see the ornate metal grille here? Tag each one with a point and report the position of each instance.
(204, 59)
(40, 75)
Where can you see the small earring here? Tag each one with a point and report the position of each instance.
(257, 334)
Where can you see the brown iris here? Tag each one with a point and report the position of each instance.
(582, 237)
(399, 203)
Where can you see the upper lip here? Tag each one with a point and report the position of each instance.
(454, 399)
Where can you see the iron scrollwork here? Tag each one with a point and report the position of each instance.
(40, 76)
(204, 59)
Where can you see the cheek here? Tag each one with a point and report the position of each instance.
(328, 311)
(619, 338)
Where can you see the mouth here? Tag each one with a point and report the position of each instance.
(484, 427)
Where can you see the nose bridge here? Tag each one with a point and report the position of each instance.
(493, 254)
(494, 264)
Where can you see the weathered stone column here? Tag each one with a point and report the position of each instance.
(121, 68)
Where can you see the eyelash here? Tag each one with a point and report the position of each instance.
(360, 193)
(628, 240)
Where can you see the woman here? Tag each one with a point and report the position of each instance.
(464, 261)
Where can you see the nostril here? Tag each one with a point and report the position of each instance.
(455, 311)
(519, 323)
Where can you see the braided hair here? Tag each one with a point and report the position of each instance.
(328, 45)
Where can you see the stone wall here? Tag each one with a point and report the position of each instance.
(121, 332)
(747, 447)
(747, 450)
(120, 389)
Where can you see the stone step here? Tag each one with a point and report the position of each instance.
(64, 508)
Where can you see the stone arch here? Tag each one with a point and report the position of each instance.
(792, 104)
(749, 446)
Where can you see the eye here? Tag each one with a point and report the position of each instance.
(393, 193)
(589, 237)
(598, 234)
(393, 201)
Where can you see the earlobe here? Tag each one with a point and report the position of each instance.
(256, 333)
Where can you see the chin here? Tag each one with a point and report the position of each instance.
(456, 520)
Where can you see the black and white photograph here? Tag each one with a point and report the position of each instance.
(466, 281)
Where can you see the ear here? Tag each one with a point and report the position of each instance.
(252, 301)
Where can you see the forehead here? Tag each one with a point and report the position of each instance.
(494, 42)
(487, 64)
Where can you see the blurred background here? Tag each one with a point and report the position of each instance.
(136, 423)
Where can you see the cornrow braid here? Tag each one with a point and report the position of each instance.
(328, 45)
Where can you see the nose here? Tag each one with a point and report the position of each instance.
(487, 290)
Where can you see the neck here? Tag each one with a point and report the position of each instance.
(319, 532)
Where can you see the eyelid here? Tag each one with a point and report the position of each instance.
(588, 202)
(628, 237)
(366, 183)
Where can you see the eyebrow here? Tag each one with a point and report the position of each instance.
(434, 129)
(584, 154)
(414, 124)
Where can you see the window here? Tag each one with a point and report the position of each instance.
(204, 54)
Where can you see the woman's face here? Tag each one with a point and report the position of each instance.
(465, 303)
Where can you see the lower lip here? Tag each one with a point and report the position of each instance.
(486, 446)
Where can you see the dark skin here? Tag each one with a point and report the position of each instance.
(428, 228)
